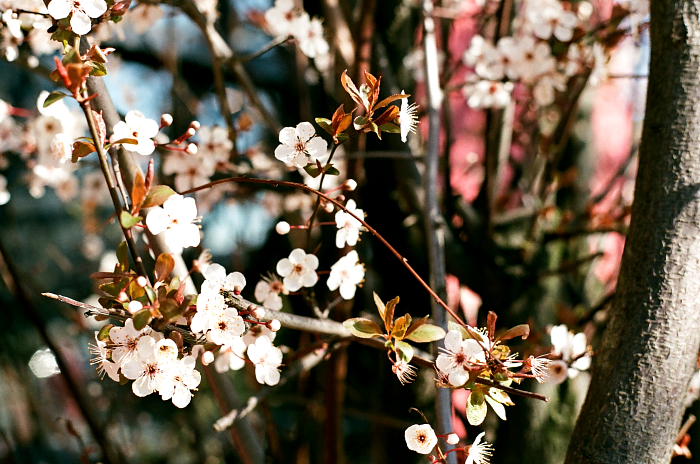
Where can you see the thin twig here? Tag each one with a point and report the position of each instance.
(278, 183)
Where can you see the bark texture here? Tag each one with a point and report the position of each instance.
(635, 403)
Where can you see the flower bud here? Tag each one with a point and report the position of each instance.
(283, 228)
(452, 439)
(259, 312)
(350, 185)
(134, 306)
(190, 132)
(191, 149)
(195, 125)
(274, 325)
(328, 207)
(207, 358)
(141, 281)
(166, 120)
(123, 297)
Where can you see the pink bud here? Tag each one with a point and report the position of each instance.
(166, 120)
(123, 297)
(274, 325)
(282, 228)
(259, 312)
(350, 185)
(191, 149)
(207, 358)
(328, 207)
(195, 125)
(141, 281)
(452, 439)
(190, 132)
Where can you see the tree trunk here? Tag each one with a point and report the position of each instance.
(635, 402)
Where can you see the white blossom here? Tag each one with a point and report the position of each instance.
(101, 358)
(178, 380)
(299, 270)
(231, 356)
(300, 146)
(280, 18)
(176, 220)
(459, 356)
(573, 349)
(420, 438)
(479, 452)
(268, 291)
(139, 127)
(146, 368)
(80, 12)
(349, 228)
(125, 340)
(221, 326)
(309, 35)
(488, 94)
(408, 119)
(267, 359)
(346, 274)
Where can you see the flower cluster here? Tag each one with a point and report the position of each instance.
(152, 362)
(527, 57)
(284, 19)
(422, 439)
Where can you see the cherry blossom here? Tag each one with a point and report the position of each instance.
(300, 146)
(4, 193)
(309, 35)
(267, 293)
(139, 127)
(177, 381)
(479, 452)
(176, 220)
(488, 94)
(231, 356)
(408, 119)
(280, 18)
(146, 368)
(346, 274)
(216, 278)
(101, 358)
(267, 359)
(80, 12)
(458, 357)
(257, 331)
(299, 270)
(125, 340)
(221, 326)
(188, 170)
(573, 349)
(420, 438)
(349, 228)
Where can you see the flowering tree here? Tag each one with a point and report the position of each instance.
(469, 197)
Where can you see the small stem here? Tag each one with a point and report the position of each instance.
(269, 46)
(310, 223)
(112, 187)
(511, 390)
(296, 185)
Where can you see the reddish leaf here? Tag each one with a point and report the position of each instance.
(138, 192)
(164, 266)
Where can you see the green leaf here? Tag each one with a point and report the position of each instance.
(326, 124)
(170, 309)
(127, 220)
(382, 310)
(331, 170)
(405, 351)
(150, 293)
(53, 97)
(390, 128)
(426, 333)
(123, 255)
(312, 170)
(142, 318)
(157, 196)
(476, 408)
(103, 334)
(360, 121)
(98, 69)
(362, 328)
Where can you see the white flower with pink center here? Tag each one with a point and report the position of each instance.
(300, 145)
(267, 359)
(80, 12)
(299, 270)
(138, 127)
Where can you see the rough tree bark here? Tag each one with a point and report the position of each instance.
(635, 403)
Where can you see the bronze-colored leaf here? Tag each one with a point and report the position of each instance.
(164, 266)
(401, 325)
(138, 192)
